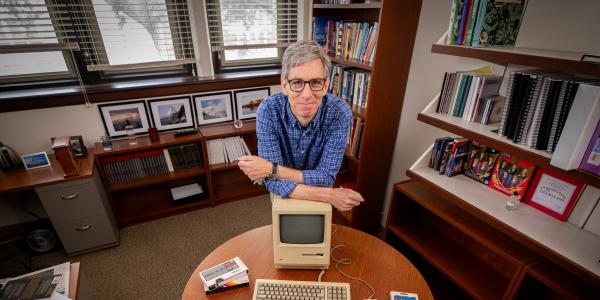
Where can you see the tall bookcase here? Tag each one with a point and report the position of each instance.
(494, 253)
(397, 22)
(137, 199)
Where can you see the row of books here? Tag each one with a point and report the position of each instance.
(500, 171)
(355, 136)
(537, 107)
(484, 23)
(133, 166)
(471, 95)
(227, 150)
(350, 84)
(346, 39)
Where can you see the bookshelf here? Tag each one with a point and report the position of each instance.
(148, 197)
(397, 25)
(558, 259)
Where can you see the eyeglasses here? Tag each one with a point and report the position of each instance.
(297, 85)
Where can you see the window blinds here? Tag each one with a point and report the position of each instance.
(127, 34)
(251, 24)
(35, 25)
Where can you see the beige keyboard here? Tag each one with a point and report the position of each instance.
(300, 290)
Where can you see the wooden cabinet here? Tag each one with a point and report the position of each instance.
(495, 253)
(81, 214)
(146, 195)
(397, 22)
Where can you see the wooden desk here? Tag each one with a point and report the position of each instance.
(384, 268)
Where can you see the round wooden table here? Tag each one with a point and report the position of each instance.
(374, 261)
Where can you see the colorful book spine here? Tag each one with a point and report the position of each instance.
(591, 158)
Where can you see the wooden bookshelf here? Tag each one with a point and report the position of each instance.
(352, 63)
(397, 25)
(358, 111)
(148, 198)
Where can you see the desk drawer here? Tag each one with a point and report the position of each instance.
(86, 233)
(72, 201)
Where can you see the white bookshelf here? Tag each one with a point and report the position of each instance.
(562, 238)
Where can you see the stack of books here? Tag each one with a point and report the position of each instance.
(225, 276)
(350, 84)
(346, 40)
(484, 23)
(226, 150)
(355, 136)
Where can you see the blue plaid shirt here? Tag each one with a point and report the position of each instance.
(317, 150)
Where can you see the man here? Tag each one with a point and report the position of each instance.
(302, 132)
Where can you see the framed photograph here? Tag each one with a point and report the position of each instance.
(247, 101)
(172, 113)
(35, 160)
(553, 193)
(118, 115)
(76, 141)
(213, 108)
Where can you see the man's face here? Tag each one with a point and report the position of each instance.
(305, 104)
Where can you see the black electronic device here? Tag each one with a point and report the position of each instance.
(188, 131)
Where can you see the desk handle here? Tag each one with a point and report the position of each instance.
(70, 197)
(84, 228)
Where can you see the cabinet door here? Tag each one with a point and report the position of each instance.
(71, 201)
(86, 233)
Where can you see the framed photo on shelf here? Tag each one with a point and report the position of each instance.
(76, 141)
(116, 116)
(35, 160)
(213, 108)
(171, 113)
(553, 193)
(247, 101)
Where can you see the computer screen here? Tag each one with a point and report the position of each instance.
(301, 229)
(301, 233)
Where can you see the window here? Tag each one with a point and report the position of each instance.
(34, 40)
(132, 34)
(250, 32)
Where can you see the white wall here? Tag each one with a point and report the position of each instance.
(569, 30)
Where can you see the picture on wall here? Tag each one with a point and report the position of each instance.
(213, 108)
(172, 113)
(247, 101)
(119, 115)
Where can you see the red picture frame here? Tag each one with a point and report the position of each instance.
(553, 193)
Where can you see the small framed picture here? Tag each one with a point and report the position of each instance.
(553, 193)
(79, 148)
(247, 101)
(213, 108)
(172, 113)
(118, 115)
(35, 160)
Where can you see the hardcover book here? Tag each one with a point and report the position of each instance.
(480, 165)
(591, 158)
(457, 157)
(511, 175)
(499, 24)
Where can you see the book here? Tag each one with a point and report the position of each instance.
(457, 157)
(481, 162)
(579, 128)
(214, 277)
(511, 174)
(591, 159)
(499, 24)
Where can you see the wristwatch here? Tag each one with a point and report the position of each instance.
(273, 174)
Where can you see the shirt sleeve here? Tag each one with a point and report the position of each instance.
(333, 153)
(269, 148)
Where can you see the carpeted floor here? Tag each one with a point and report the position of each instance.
(155, 259)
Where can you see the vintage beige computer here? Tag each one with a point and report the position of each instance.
(301, 234)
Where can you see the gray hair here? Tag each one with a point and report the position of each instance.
(302, 52)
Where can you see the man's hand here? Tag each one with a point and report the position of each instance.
(344, 199)
(255, 167)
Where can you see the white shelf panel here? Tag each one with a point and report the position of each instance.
(477, 128)
(565, 239)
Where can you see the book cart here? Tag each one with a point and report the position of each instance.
(145, 194)
(397, 24)
(460, 229)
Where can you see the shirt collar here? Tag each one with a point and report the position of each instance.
(292, 121)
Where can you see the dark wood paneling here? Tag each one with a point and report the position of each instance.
(397, 31)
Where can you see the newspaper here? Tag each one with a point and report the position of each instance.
(49, 283)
